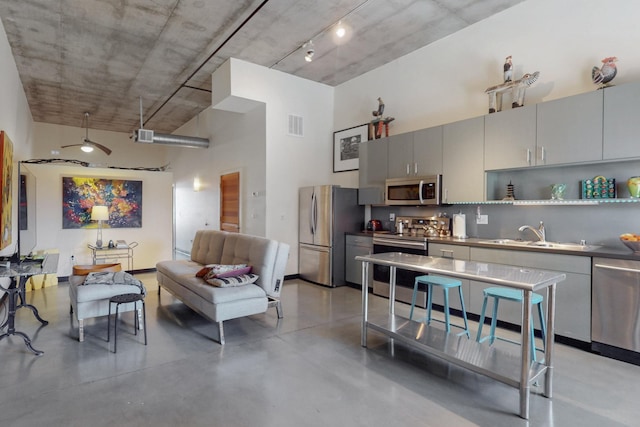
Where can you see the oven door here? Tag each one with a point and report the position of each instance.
(404, 278)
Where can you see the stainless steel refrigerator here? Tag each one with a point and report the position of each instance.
(326, 213)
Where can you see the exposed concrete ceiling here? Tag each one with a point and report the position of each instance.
(101, 56)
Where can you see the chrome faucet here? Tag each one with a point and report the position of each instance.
(539, 232)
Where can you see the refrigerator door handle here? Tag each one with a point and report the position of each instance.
(314, 213)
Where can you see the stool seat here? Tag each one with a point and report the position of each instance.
(512, 294)
(445, 283)
(126, 299)
(516, 295)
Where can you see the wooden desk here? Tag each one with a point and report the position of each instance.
(481, 358)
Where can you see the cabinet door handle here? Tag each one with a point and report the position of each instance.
(415, 168)
(528, 156)
(408, 169)
(542, 155)
(446, 252)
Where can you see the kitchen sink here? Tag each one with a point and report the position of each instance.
(506, 242)
(564, 246)
(542, 245)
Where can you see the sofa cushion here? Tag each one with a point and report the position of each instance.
(212, 271)
(225, 282)
(216, 295)
(207, 247)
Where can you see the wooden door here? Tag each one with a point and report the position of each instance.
(230, 202)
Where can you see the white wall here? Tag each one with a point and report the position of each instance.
(236, 143)
(154, 237)
(291, 162)
(16, 121)
(445, 81)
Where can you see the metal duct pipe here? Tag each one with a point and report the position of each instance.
(180, 140)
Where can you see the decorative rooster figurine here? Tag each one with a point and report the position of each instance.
(603, 75)
(380, 110)
(508, 69)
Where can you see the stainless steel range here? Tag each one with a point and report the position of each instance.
(412, 237)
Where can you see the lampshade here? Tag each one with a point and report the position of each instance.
(100, 213)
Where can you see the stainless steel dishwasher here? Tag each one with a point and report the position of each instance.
(615, 311)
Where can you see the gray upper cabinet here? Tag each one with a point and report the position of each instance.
(621, 122)
(462, 161)
(427, 151)
(416, 153)
(570, 129)
(373, 171)
(510, 138)
(400, 155)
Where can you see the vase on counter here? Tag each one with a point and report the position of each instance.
(634, 186)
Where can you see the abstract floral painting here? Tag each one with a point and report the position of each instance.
(6, 154)
(122, 197)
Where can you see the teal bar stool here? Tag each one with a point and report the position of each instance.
(445, 283)
(511, 295)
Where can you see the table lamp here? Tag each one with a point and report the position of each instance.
(99, 213)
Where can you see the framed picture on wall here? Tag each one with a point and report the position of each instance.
(122, 197)
(346, 145)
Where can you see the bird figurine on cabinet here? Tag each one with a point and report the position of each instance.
(603, 75)
(380, 110)
(508, 69)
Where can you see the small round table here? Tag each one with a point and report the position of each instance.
(125, 299)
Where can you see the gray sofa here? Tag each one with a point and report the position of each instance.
(268, 259)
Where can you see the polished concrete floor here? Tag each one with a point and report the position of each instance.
(307, 369)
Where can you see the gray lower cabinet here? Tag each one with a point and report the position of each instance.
(456, 252)
(356, 245)
(372, 171)
(573, 295)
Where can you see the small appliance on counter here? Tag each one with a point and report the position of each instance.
(432, 226)
(374, 225)
(460, 226)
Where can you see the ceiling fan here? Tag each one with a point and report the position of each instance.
(88, 145)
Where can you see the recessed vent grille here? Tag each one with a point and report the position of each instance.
(144, 135)
(295, 125)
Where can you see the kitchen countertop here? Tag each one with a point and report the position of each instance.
(602, 251)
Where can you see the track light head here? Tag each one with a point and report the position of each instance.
(309, 51)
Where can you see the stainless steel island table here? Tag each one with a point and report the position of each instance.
(519, 372)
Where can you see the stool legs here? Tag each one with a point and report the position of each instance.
(494, 319)
(464, 313)
(137, 323)
(447, 315)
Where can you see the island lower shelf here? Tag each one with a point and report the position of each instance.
(478, 357)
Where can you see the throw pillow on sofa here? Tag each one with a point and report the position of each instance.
(227, 282)
(218, 269)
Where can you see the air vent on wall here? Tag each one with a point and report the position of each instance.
(295, 125)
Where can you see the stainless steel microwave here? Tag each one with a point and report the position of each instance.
(414, 191)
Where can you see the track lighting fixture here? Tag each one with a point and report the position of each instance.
(309, 51)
